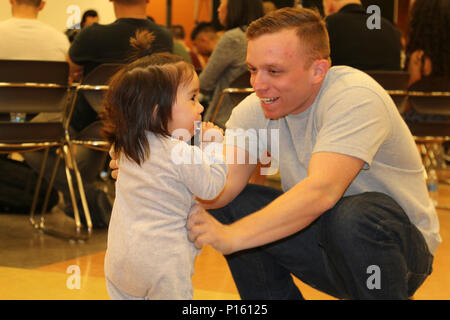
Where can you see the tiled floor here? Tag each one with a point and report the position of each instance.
(39, 266)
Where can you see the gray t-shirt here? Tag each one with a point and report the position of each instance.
(352, 115)
(148, 252)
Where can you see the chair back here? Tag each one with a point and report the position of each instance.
(433, 104)
(94, 85)
(239, 89)
(395, 83)
(33, 86)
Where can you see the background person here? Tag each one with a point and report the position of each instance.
(89, 17)
(24, 37)
(353, 44)
(227, 61)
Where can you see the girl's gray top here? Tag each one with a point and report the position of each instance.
(152, 203)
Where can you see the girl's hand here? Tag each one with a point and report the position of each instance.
(113, 163)
(211, 132)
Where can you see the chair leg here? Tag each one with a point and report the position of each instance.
(87, 214)
(73, 164)
(69, 165)
(38, 188)
(68, 160)
(50, 185)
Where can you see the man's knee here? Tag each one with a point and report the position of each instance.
(365, 215)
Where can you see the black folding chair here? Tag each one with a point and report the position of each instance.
(41, 87)
(238, 90)
(93, 87)
(431, 135)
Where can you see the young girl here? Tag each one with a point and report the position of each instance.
(148, 254)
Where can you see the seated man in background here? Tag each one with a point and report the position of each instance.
(93, 46)
(180, 47)
(204, 39)
(354, 44)
(110, 43)
(89, 17)
(24, 37)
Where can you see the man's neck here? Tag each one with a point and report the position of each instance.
(343, 3)
(25, 12)
(136, 12)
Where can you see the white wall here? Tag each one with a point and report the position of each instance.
(55, 11)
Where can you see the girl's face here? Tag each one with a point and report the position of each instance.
(186, 109)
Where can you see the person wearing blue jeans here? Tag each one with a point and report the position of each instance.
(354, 219)
(328, 255)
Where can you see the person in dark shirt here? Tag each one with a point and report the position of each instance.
(110, 43)
(354, 44)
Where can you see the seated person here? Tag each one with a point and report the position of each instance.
(204, 39)
(24, 37)
(427, 55)
(354, 44)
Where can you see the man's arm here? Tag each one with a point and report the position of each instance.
(329, 175)
(237, 179)
(75, 70)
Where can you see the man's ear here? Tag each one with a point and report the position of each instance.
(319, 70)
(41, 6)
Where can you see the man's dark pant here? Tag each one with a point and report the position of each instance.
(365, 247)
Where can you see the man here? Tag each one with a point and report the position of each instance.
(354, 44)
(110, 43)
(204, 38)
(99, 44)
(355, 201)
(89, 17)
(24, 37)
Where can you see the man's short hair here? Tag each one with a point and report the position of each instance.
(310, 28)
(34, 3)
(207, 27)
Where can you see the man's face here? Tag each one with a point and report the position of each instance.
(203, 44)
(277, 66)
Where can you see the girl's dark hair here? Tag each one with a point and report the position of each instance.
(429, 31)
(140, 98)
(240, 13)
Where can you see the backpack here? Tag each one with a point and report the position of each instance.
(17, 185)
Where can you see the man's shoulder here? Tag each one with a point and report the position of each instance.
(341, 79)
(247, 114)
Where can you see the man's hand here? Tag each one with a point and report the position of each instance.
(204, 229)
(113, 163)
